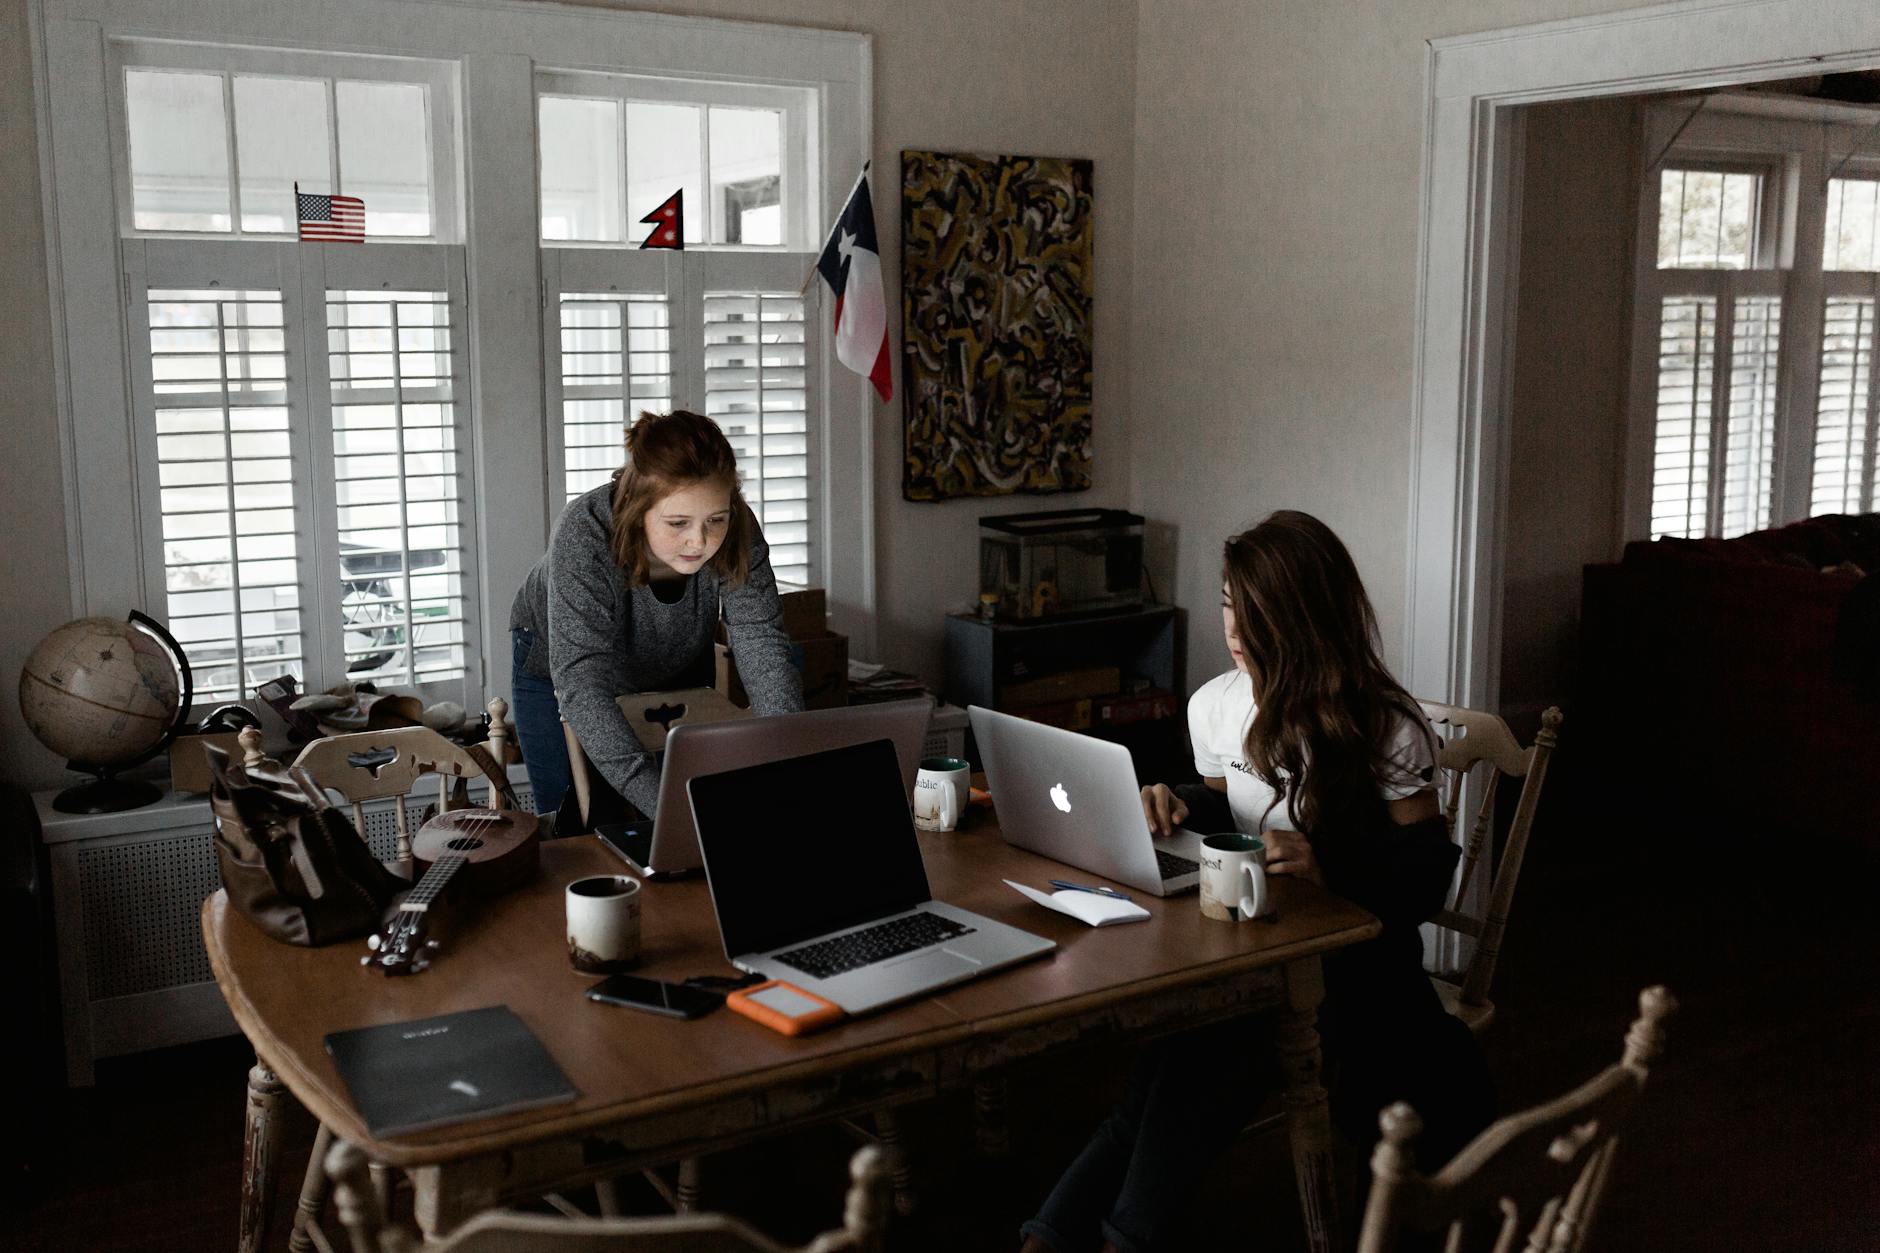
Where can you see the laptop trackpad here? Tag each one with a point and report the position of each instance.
(933, 965)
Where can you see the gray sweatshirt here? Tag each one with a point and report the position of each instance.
(597, 638)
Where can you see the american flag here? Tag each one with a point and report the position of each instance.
(330, 217)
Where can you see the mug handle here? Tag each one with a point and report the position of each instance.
(1254, 904)
(946, 816)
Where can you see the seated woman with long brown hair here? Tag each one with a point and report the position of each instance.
(1309, 743)
(628, 599)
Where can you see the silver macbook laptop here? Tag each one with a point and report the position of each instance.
(816, 878)
(1074, 798)
(667, 844)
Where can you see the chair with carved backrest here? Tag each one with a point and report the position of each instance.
(1482, 739)
(864, 1222)
(367, 766)
(1538, 1172)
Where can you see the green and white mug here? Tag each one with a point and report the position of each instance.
(1233, 877)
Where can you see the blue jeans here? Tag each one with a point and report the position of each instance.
(1188, 1097)
(538, 726)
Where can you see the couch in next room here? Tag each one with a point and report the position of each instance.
(1740, 678)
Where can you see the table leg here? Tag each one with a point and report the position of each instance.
(686, 1194)
(888, 1132)
(313, 1191)
(1308, 1116)
(261, 1143)
(992, 1129)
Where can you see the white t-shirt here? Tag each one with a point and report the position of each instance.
(1218, 717)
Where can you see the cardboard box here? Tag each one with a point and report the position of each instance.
(1066, 685)
(822, 660)
(805, 611)
(189, 769)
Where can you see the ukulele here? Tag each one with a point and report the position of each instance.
(493, 849)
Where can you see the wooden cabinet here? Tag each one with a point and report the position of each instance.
(1116, 675)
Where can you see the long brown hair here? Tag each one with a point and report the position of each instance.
(1326, 706)
(667, 452)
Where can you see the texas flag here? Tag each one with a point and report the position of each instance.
(851, 265)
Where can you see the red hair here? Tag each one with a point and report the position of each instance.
(665, 453)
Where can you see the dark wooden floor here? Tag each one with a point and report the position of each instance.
(1761, 1132)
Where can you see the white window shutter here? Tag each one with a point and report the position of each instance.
(1844, 408)
(615, 363)
(1750, 436)
(756, 389)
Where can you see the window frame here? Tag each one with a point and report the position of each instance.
(493, 48)
(1798, 145)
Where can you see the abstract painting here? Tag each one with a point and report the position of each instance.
(996, 295)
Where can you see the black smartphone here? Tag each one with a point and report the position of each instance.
(673, 999)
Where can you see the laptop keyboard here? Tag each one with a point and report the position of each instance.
(1173, 866)
(827, 958)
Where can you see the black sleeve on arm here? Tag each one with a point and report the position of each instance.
(1208, 810)
(584, 659)
(1400, 872)
(754, 625)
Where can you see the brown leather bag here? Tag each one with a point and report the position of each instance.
(290, 860)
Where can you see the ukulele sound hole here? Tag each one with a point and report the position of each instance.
(463, 844)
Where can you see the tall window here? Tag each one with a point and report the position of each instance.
(719, 327)
(1755, 341)
(339, 459)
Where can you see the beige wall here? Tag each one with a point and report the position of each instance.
(1278, 167)
(34, 573)
(1578, 215)
(992, 76)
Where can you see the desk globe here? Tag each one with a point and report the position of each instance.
(106, 695)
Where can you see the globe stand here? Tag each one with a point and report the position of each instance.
(104, 794)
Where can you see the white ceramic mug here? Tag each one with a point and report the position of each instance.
(1233, 877)
(940, 793)
(603, 923)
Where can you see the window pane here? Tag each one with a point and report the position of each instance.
(225, 476)
(396, 485)
(1707, 219)
(179, 151)
(385, 154)
(663, 156)
(1687, 349)
(281, 137)
(747, 168)
(581, 169)
(1749, 440)
(1848, 243)
(616, 362)
(1842, 426)
(756, 390)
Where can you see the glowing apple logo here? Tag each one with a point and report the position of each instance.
(1060, 798)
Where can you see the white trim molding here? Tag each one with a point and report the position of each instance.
(1464, 332)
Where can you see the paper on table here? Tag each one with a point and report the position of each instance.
(1091, 907)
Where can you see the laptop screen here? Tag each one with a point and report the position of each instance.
(798, 848)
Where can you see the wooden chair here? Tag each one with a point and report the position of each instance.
(1539, 1172)
(1485, 740)
(864, 1222)
(336, 763)
(340, 763)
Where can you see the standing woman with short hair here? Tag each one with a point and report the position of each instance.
(628, 599)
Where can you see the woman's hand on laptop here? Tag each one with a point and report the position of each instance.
(1163, 809)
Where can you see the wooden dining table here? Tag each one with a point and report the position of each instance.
(653, 1089)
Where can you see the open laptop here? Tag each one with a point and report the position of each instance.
(1073, 798)
(667, 843)
(816, 878)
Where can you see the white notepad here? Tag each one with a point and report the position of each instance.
(1091, 907)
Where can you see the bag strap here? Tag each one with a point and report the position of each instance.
(498, 777)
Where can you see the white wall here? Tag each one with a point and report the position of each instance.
(1037, 77)
(1567, 421)
(1279, 157)
(34, 572)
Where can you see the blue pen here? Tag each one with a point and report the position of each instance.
(1067, 885)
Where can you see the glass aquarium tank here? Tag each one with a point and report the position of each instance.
(1064, 561)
